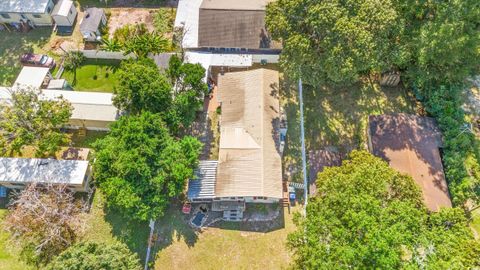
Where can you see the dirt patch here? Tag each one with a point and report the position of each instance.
(124, 16)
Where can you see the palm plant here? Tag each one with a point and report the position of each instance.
(73, 60)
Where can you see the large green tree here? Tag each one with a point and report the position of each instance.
(140, 166)
(189, 89)
(441, 38)
(96, 256)
(142, 88)
(368, 216)
(335, 40)
(340, 40)
(29, 120)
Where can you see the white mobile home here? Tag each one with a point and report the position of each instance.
(91, 110)
(64, 15)
(31, 12)
(16, 173)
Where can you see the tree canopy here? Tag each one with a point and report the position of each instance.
(441, 40)
(140, 166)
(366, 215)
(176, 94)
(189, 90)
(44, 221)
(96, 256)
(338, 41)
(334, 40)
(28, 120)
(142, 88)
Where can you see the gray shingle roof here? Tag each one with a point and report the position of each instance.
(23, 6)
(91, 19)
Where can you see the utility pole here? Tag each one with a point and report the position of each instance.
(149, 248)
(302, 139)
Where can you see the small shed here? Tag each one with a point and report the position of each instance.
(36, 77)
(410, 144)
(93, 21)
(64, 15)
(57, 84)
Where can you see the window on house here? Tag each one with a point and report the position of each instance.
(71, 12)
(37, 16)
(5, 16)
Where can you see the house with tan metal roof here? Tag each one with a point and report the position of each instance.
(411, 145)
(249, 167)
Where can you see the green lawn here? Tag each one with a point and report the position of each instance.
(88, 140)
(230, 247)
(9, 260)
(94, 76)
(13, 45)
(337, 116)
(106, 226)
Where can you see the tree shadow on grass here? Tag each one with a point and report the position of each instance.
(131, 232)
(173, 226)
(335, 117)
(13, 45)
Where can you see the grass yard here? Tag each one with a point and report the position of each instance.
(226, 248)
(94, 76)
(13, 45)
(86, 141)
(336, 117)
(106, 226)
(9, 260)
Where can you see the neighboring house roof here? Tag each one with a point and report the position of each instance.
(249, 158)
(318, 161)
(62, 8)
(91, 106)
(187, 18)
(32, 76)
(219, 23)
(410, 144)
(235, 4)
(233, 29)
(27, 170)
(23, 6)
(202, 186)
(92, 18)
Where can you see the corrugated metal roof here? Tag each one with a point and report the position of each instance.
(203, 185)
(92, 106)
(32, 76)
(27, 170)
(409, 143)
(249, 158)
(23, 6)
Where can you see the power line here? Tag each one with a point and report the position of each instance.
(302, 139)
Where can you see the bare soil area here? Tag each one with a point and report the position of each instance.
(124, 16)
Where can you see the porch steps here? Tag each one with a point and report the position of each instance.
(233, 215)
